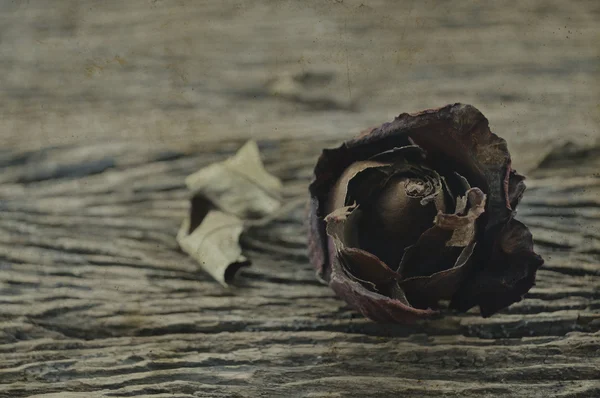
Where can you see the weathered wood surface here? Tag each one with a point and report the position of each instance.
(96, 298)
(163, 73)
(107, 106)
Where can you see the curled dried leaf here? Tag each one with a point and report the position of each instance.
(227, 197)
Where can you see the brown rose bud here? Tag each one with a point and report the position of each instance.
(421, 210)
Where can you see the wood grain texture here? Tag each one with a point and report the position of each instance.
(107, 106)
(167, 73)
(96, 300)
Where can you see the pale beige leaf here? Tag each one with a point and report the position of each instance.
(214, 244)
(227, 197)
(239, 185)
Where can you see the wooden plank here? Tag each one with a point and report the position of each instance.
(169, 73)
(97, 299)
(108, 105)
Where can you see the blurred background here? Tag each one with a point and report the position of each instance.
(175, 73)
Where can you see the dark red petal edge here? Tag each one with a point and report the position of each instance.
(442, 285)
(505, 276)
(372, 305)
(317, 240)
(516, 188)
(367, 266)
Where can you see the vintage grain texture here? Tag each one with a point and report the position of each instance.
(107, 106)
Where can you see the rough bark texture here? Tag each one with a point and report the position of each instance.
(97, 300)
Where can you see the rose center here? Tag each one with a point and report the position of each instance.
(396, 218)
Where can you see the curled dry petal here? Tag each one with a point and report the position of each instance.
(421, 210)
(441, 285)
(373, 305)
(516, 188)
(358, 276)
(463, 225)
(506, 276)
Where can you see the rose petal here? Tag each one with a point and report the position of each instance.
(459, 135)
(410, 153)
(364, 186)
(395, 212)
(328, 169)
(434, 260)
(367, 267)
(364, 266)
(449, 197)
(396, 292)
(463, 225)
(338, 195)
(505, 275)
(342, 226)
(463, 181)
(372, 305)
(429, 255)
(317, 240)
(428, 290)
(368, 285)
(360, 277)
(516, 188)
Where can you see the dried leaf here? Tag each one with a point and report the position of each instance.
(239, 185)
(226, 197)
(214, 244)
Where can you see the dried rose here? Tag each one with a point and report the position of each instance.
(418, 211)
